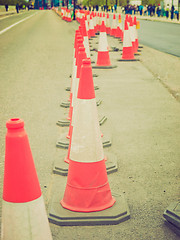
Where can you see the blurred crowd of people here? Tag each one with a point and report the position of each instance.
(148, 10)
(152, 10)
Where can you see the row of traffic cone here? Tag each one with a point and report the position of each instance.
(130, 42)
(66, 14)
(87, 190)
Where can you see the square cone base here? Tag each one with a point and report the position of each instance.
(172, 214)
(173, 228)
(63, 141)
(61, 168)
(65, 123)
(104, 67)
(95, 88)
(66, 104)
(116, 214)
(127, 60)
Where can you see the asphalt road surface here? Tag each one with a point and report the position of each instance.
(160, 36)
(36, 58)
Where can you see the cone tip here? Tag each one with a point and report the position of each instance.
(15, 123)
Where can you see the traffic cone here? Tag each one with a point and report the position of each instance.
(118, 32)
(86, 40)
(87, 197)
(103, 59)
(114, 26)
(81, 56)
(137, 46)
(86, 155)
(108, 28)
(68, 16)
(91, 28)
(23, 210)
(127, 51)
(132, 34)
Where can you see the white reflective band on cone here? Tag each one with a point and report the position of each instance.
(120, 25)
(75, 86)
(131, 30)
(135, 31)
(107, 22)
(94, 21)
(86, 24)
(114, 24)
(25, 221)
(86, 45)
(88, 18)
(86, 144)
(103, 44)
(91, 25)
(127, 39)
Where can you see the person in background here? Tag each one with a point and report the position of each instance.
(115, 7)
(159, 10)
(177, 14)
(112, 9)
(167, 11)
(17, 8)
(6, 7)
(172, 12)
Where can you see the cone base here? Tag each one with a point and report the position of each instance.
(116, 214)
(172, 214)
(63, 141)
(104, 67)
(63, 122)
(127, 60)
(61, 168)
(65, 104)
(95, 87)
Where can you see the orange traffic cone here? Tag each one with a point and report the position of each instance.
(87, 198)
(69, 16)
(81, 56)
(114, 26)
(23, 210)
(108, 28)
(87, 158)
(103, 59)
(127, 51)
(91, 28)
(132, 34)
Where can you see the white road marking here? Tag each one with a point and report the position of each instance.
(6, 29)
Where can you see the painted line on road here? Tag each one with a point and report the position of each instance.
(6, 29)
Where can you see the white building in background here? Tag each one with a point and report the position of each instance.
(169, 3)
(135, 2)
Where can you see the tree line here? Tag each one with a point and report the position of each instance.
(14, 2)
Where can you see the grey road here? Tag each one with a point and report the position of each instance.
(161, 36)
(36, 58)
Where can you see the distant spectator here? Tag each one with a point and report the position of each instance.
(115, 7)
(172, 12)
(17, 8)
(97, 8)
(153, 9)
(141, 9)
(177, 14)
(6, 7)
(167, 11)
(159, 10)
